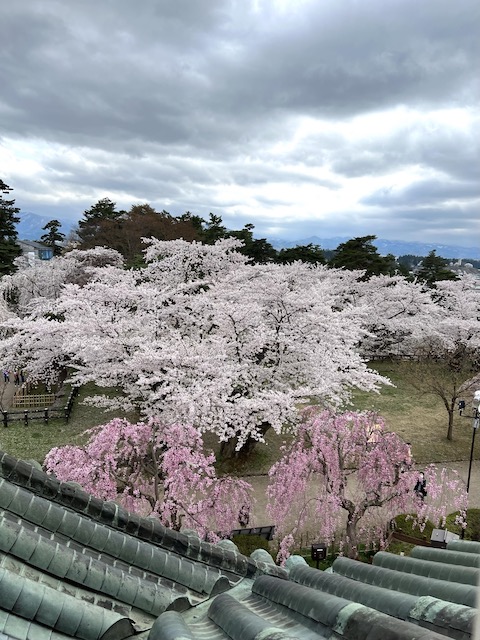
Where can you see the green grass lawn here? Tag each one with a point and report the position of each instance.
(34, 441)
(419, 419)
(472, 532)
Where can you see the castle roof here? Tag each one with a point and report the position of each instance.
(74, 566)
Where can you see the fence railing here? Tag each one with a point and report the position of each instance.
(39, 400)
(403, 537)
(45, 414)
(264, 532)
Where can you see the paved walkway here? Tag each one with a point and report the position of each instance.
(6, 394)
(260, 484)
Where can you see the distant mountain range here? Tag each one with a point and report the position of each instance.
(30, 228)
(31, 225)
(395, 247)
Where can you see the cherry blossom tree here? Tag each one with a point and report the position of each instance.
(44, 280)
(401, 316)
(346, 471)
(176, 263)
(446, 350)
(157, 470)
(200, 337)
(5, 313)
(397, 315)
(433, 333)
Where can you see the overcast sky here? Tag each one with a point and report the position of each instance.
(303, 117)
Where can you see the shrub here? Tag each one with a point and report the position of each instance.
(472, 531)
(405, 524)
(247, 544)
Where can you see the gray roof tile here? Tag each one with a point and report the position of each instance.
(419, 567)
(392, 579)
(446, 556)
(73, 566)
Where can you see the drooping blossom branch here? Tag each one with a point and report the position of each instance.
(154, 469)
(347, 472)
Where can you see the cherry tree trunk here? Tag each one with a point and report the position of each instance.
(351, 545)
(450, 424)
(229, 451)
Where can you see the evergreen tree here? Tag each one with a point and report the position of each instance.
(53, 236)
(259, 251)
(103, 209)
(406, 266)
(214, 230)
(9, 248)
(97, 220)
(359, 253)
(409, 261)
(434, 268)
(310, 253)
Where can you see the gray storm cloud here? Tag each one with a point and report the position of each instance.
(254, 110)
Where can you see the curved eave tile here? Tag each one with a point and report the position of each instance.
(233, 564)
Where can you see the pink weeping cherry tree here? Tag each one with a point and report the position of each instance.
(155, 470)
(347, 473)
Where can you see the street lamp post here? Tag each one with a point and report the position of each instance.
(475, 425)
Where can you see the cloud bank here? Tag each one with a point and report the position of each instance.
(304, 118)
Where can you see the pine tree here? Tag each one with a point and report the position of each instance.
(360, 253)
(310, 253)
(434, 268)
(258, 250)
(9, 247)
(214, 230)
(53, 236)
(100, 220)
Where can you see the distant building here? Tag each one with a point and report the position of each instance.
(35, 251)
(463, 267)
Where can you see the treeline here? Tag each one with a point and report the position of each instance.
(104, 225)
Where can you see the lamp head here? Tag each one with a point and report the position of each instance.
(476, 399)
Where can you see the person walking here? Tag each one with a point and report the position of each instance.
(244, 516)
(421, 487)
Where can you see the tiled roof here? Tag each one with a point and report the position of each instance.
(73, 566)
